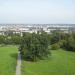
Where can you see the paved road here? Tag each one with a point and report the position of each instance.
(18, 67)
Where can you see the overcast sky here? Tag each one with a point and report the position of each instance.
(37, 11)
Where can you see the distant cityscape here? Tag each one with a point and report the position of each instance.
(20, 28)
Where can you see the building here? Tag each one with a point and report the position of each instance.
(20, 28)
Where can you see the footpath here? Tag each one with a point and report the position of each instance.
(18, 66)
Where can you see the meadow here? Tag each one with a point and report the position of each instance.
(8, 56)
(60, 62)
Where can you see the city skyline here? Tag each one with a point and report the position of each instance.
(39, 11)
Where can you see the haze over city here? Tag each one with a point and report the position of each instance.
(37, 11)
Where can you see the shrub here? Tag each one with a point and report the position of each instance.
(61, 42)
(55, 46)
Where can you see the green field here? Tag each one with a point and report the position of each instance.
(59, 63)
(8, 56)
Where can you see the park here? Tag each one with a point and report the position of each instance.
(37, 37)
(59, 63)
(42, 54)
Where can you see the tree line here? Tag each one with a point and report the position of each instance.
(63, 40)
(34, 46)
(13, 39)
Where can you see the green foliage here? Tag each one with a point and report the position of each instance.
(7, 40)
(55, 36)
(13, 39)
(65, 40)
(60, 43)
(34, 46)
(55, 46)
(69, 44)
(16, 39)
(2, 38)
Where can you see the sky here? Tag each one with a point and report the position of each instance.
(37, 11)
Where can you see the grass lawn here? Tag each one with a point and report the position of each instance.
(59, 63)
(8, 56)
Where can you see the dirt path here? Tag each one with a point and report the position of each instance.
(18, 67)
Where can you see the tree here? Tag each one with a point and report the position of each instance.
(2, 38)
(16, 39)
(55, 36)
(34, 46)
(64, 40)
(69, 43)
